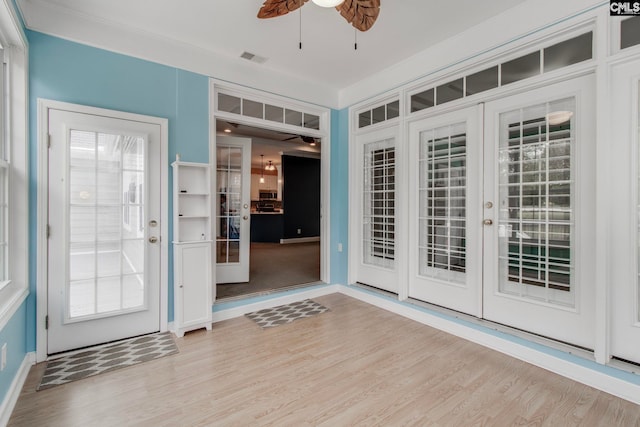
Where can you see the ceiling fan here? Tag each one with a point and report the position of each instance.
(362, 14)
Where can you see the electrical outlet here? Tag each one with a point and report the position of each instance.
(339, 247)
(3, 357)
(299, 230)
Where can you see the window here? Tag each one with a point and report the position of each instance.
(14, 205)
(559, 55)
(379, 204)
(379, 114)
(4, 183)
(537, 160)
(443, 170)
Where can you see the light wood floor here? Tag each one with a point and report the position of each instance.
(355, 365)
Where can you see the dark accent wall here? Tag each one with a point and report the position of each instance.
(301, 196)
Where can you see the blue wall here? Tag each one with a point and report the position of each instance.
(14, 335)
(65, 71)
(339, 195)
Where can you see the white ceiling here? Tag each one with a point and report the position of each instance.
(227, 28)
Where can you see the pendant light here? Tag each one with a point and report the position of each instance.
(270, 166)
(261, 168)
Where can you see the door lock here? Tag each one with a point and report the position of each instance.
(488, 205)
(487, 222)
(153, 223)
(245, 217)
(153, 239)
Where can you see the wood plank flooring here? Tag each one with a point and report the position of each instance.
(354, 365)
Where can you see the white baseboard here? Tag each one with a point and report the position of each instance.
(243, 309)
(9, 402)
(580, 370)
(299, 240)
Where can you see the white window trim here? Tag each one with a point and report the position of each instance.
(14, 41)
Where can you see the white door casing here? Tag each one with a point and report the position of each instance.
(538, 251)
(624, 211)
(375, 180)
(104, 265)
(232, 209)
(445, 235)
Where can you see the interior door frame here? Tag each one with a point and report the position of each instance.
(325, 150)
(42, 287)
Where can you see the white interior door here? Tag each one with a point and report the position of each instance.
(625, 212)
(376, 253)
(104, 218)
(540, 178)
(233, 209)
(445, 205)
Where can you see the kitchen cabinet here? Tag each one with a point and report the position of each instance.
(192, 247)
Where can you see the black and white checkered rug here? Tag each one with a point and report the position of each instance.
(107, 358)
(275, 316)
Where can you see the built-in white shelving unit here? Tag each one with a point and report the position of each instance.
(192, 247)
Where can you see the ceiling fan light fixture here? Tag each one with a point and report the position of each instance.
(270, 166)
(327, 3)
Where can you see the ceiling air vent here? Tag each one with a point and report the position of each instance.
(253, 57)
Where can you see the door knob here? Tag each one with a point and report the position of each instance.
(487, 222)
(245, 217)
(153, 239)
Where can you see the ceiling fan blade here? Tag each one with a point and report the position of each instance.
(362, 14)
(293, 137)
(273, 8)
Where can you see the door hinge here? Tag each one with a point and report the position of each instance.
(46, 322)
(48, 231)
(49, 140)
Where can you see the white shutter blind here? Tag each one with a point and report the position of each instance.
(442, 192)
(379, 204)
(536, 201)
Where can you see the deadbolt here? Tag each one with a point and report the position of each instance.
(487, 222)
(153, 239)
(488, 205)
(245, 217)
(153, 223)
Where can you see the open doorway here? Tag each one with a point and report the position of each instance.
(285, 211)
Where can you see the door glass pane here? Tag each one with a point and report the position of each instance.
(449, 91)
(521, 68)
(630, 32)
(536, 201)
(442, 192)
(228, 199)
(105, 221)
(482, 80)
(638, 231)
(568, 52)
(423, 100)
(379, 204)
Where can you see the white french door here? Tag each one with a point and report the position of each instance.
(104, 218)
(233, 209)
(539, 238)
(444, 203)
(376, 209)
(624, 249)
